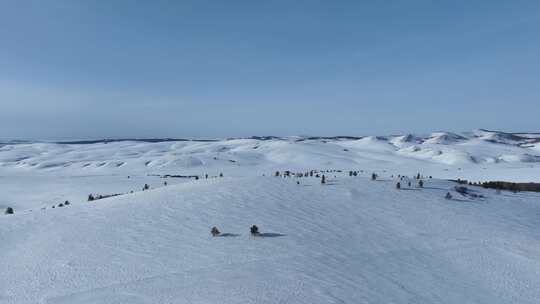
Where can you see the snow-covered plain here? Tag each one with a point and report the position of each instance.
(352, 240)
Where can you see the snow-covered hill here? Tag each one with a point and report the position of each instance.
(437, 150)
(352, 240)
(103, 166)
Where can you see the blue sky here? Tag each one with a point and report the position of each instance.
(94, 69)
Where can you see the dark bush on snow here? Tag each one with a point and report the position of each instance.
(9, 210)
(102, 196)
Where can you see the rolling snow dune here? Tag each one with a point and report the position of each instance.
(350, 241)
(46, 167)
(435, 152)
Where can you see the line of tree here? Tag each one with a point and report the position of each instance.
(501, 185)
(514, 187)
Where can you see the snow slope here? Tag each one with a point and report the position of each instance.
(351, 241)
(39, 174)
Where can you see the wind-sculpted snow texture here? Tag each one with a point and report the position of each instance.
(351, 240)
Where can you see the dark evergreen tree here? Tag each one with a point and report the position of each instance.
(421, 183)
(90, 197)
(254, 230)
(323, 179)
(398, 185)
(9, 210)
(215, 231)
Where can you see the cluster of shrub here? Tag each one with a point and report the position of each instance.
(66, 203)
(310, 173)
(178, 176)
(409, 184)
(9, 210)
(196, 177)
(515, 187)
(92, 197)
(417, 177)
(254, 230)
(500, 185)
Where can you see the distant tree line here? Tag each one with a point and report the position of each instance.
(515, 187)
(500, 185)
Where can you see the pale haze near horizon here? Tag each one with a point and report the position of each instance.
(75, 70)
